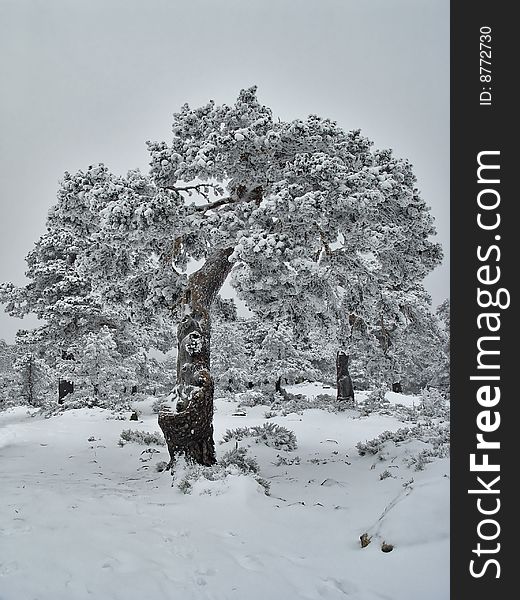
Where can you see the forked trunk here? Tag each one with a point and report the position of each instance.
(188, 429)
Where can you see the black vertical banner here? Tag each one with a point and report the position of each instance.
(483, 265)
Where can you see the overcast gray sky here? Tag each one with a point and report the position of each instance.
(87, 81)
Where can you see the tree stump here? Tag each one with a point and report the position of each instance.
(345, 393)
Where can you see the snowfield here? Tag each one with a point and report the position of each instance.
(83, 517)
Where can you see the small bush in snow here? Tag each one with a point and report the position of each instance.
(325, 399)
(160, 404)
(376, 401)
(269, 414)
(433, 404)
(144, 438)
(420, 460)
(254, 398)
(284, 461)
(76, 402)
(239, 458)
(437, 436)
(270, 434)
(375, 445)
(291, 403)
(234, 462)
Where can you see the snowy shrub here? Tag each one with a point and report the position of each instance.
(160, 404)
(285, 461)
(254, 398)
(75, 401)
(420, 460)
(32, 382)
(376, 401)
(144, 438)
(270, 434)
(433, 404)
(297, 403)
(286, 403)
(402, 412)
(325, 399)
(234, 462)
(437, 436)
(239, 458)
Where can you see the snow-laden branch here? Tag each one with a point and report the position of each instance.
(200, 188)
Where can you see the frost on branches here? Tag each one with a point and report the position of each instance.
(87, 343)
(318, 230)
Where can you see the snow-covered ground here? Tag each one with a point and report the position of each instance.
(82, 517)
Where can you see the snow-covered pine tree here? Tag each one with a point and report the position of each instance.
(32, 378)
(252, 353)
(281, 359)
(32, 374)
(231, 362)
(101, 375)
(413, 351)
(7, 373)
(309, 218)
(441, 375)
(63, 295)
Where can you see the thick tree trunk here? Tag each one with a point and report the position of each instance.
(345, 395)
(65, 387)
(279, 389)
(189, 429)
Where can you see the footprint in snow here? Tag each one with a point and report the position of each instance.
(329, 588)
(249, 562)
(206, 571)
(19, 527)
(8, 568)
(333, 483)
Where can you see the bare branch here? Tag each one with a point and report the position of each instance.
(242, 195)
(200, 188)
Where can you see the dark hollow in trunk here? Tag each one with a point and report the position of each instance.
(345, 395)
(397, 387)
(189, 429)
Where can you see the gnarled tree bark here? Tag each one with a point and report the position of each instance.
(188, 429)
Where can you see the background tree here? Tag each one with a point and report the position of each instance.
(231, 364)
(33, 376)
(414, 350)
(281, 359)
(7, 373)
(313, 222)
(441, 376)
(80, 328)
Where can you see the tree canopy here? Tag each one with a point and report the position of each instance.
(319, 230)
